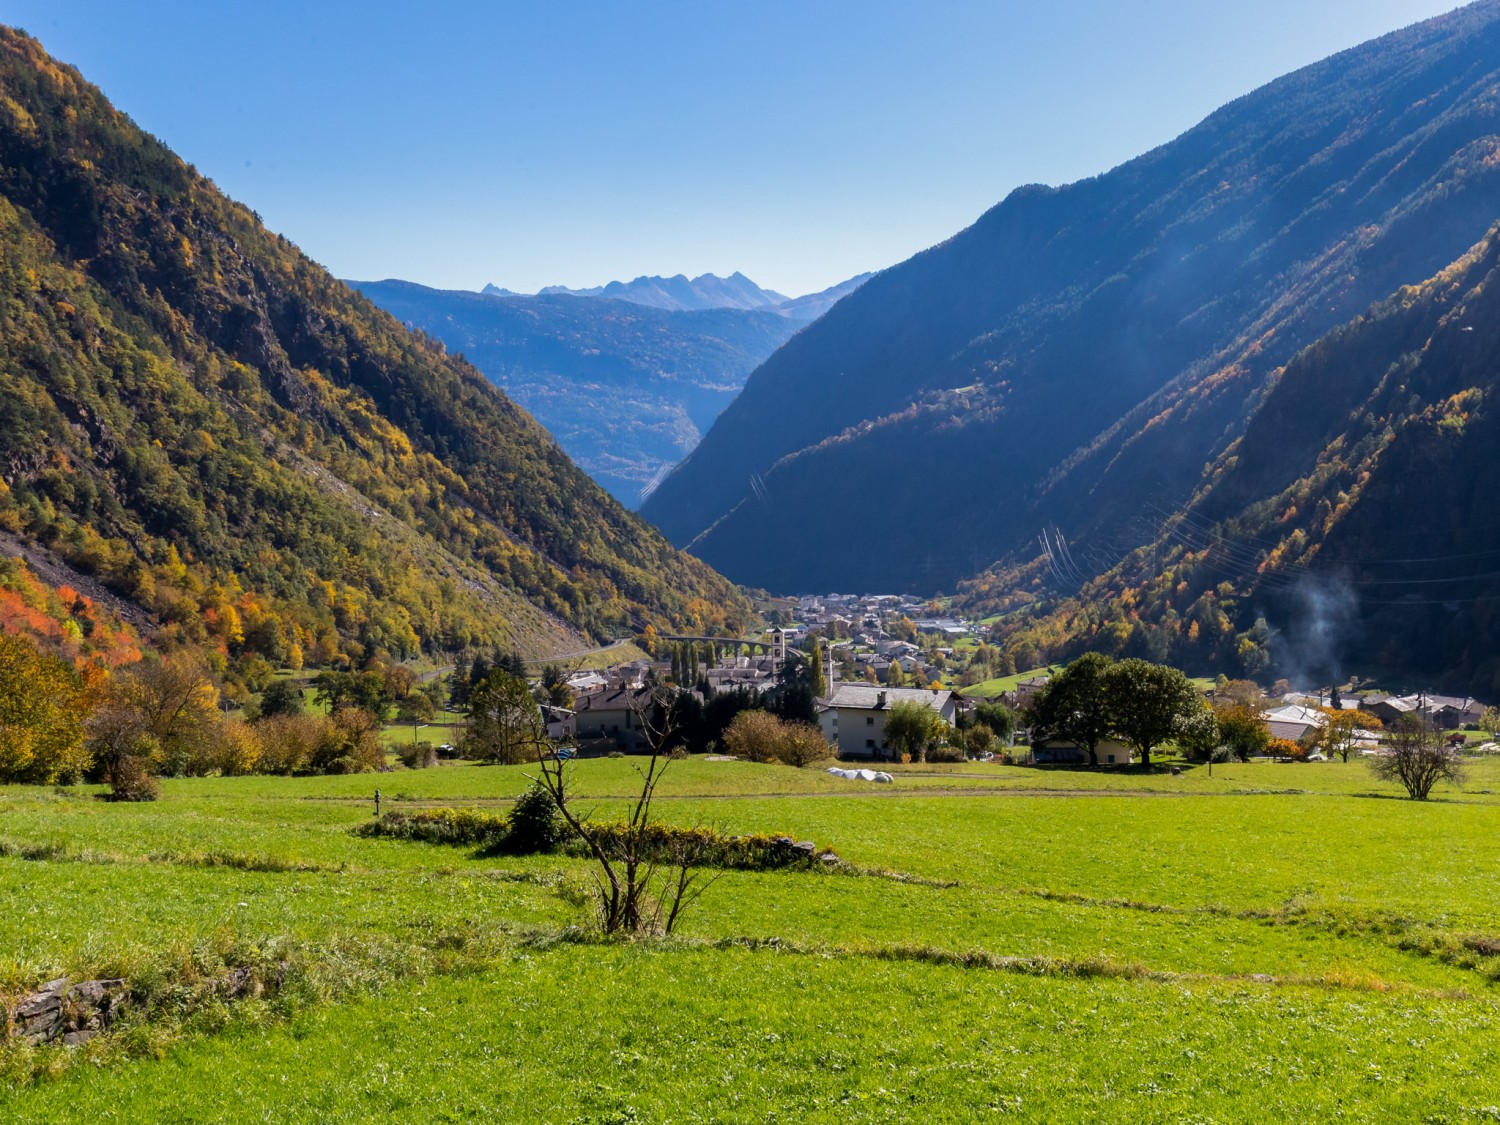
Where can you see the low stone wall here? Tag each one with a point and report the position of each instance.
(73, 1013)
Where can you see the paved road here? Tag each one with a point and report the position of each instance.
(582, 652)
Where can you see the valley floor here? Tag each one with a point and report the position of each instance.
(1276, 942)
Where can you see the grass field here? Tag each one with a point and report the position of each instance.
(1274, 942)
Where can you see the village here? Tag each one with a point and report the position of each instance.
(868, 654)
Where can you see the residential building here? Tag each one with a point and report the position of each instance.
(857, 722)
(611, 720)
(1026, 690)
(1061, 751)
(1295, 721)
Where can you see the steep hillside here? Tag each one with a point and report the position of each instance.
(626, 389)
(206, 421)
(1354, 526)
(1081, 352)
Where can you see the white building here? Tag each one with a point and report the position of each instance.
(855, 719)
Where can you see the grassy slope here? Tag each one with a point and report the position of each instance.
(1173, 885)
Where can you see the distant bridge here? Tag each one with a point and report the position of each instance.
(787, 651)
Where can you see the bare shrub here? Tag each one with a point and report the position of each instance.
(633, 894)
(1418, 758)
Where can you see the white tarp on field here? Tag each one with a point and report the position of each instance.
(861, 775)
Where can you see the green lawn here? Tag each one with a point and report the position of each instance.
(988, 689)
(1274, 942)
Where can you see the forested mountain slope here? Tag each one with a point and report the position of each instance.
(200, 416)
(626, 389)
(1354, 525)
(1076, 357)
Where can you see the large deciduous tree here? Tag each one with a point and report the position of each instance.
(1074, 705)
(1148, 704)
(281, 697)
(505, 725)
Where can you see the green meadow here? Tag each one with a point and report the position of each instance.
(1273, 942)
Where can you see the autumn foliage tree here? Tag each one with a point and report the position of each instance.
(1340, 735)
(1243, 729)
(759, 736)
(42, 704)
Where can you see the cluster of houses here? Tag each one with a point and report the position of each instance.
(607, 706)
(1299, 717)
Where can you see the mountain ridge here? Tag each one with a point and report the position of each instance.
(706, 291)
(1354, 525)
(1037, 347)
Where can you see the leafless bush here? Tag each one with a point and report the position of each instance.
(1418, 758)
(635, 892)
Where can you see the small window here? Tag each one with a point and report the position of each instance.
(869, 720)
(869, 744)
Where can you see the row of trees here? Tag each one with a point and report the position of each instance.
(1146, 705)
(160, 717)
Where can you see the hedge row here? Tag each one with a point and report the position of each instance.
(661, 843)
(441, 826)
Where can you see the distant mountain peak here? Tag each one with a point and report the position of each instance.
(679, 293)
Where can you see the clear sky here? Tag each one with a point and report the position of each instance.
(573, 141)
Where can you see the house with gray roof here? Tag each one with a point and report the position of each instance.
(855, 719)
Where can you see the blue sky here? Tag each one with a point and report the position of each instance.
(538, 143)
